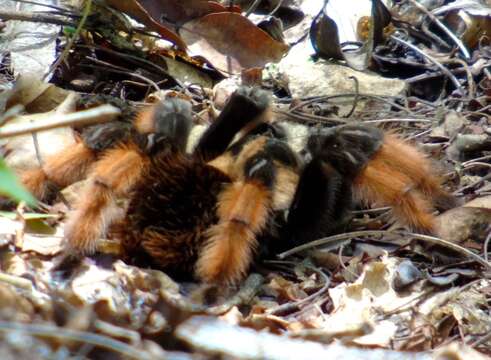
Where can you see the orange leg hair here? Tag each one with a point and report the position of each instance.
(64, 168)
(386, 181)
(406, 158)
(386, 170)
(243, 209)
(111, 177)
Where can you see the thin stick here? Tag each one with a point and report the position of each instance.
(357, 95)
(72, 39)
(296, 304)
(351, 235)
(476, 163)
(486, 245)
(135, 59)
(276, 8)
(55, 332)
(450, 245)
(245, 295)
(484, 339)
(97, 115)
(252, 8)
(326, 241)
(402, 120)
(35, 141)
(122, 70)
(16, 281)
(60, 9)
(433, 60)
(470, 186)
(35, 17)
(465, 163)
(382, 98)
(455, 39)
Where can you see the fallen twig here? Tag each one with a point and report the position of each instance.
(55, 332)
(450, 34)
(16, 281)
(351, 235)
(244, 296)
(433, 60)
(35, 17)
(97, 115)
(72, 39)
(296, 304)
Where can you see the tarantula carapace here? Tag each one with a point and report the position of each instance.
(212, 212)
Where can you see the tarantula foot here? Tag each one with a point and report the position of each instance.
(348, 148)
(245, 109)
(172, 121)
(252, 98)
(105, 136)
(82, 231)
(64, 265)
(167, 122)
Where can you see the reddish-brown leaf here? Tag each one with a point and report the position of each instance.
(135, 10)
(231, 42)
(180, 11)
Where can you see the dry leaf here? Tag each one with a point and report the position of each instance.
(231, 42)
(135, 10)
(178, 12)
(464, 223)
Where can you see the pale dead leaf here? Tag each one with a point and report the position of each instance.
(464, 223)
(457, 351)
(43, 245)
(363, 301)
(480, 202)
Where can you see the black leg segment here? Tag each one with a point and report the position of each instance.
(243, 107)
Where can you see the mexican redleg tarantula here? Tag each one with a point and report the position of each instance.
(209, 213)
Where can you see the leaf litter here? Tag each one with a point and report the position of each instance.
(373, 292)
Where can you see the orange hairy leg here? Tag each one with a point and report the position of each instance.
(400, 155)
(245, 206)
(243, 209)
(111, 177)
(385, 170)
(381, 184)
(62, 169)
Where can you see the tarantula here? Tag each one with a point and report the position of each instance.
(210, 213)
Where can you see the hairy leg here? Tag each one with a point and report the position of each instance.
(381, 184)
(385, 171)
(321, 203)
(407, 159)
(243, 210)
(245, 107)
(244, 207)
(60, 170)
(111, 177)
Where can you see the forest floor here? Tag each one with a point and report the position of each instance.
(419, 69)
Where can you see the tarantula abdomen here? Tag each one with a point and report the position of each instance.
(170, 212)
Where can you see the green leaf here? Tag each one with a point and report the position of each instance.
(69, 30)
(27, 216)
(10, 186)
